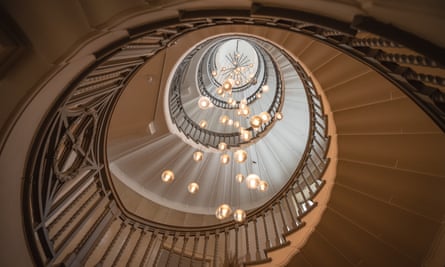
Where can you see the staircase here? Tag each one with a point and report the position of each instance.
(385, 207)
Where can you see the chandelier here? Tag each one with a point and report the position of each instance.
(238, 73)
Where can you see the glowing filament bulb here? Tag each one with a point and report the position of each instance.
(240, 156)
(227, 86)
(246, 135)
(167, 176)
(204, 102)
(222, 146)
(197, 156)
(245, 111)
(239, 215)
(252, 181)
(255, 121)
(223, 119)
(223, 211)
(220, 91)
(203, 124)
(263, 186)
(265, 117)
(224, 159)
(193, 188)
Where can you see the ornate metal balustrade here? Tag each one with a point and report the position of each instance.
(210, 138)
(72, 214)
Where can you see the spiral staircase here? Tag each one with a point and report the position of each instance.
(83, 88)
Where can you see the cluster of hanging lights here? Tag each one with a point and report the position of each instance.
(236, 75)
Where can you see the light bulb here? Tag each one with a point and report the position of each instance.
(222, 146)
(252, 181)
(224, 159)
(203, 124)
(220, 91)
(258, 95)
(197, 156)
(214, 73)
(236, 124)
(204, 102)
(263, 186)
(239, 178)
(193, 188)
(230, 122)
(265, 88)
(255, 121)
(240, 156)
(239, 215)
(167, 176)
(223, 119)
(246, 135)
(279, 116)
(245, 111)
(265, 117)
(223, 211)
(230, 100)
(227, 86)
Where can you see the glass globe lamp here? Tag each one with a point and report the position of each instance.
(246, 135)
(224, 119)
(167, 176)
(197, 156)
(263, 186)
(252, 181)
(223, 211)
(227, 86)
(255, 121)
(239, 215)
(239, 178)
(203, 124)
(265, 117)
(204, 102)
(193, 188)
(224, 159)
(222, 146)
(240, 156)
(220, 91)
